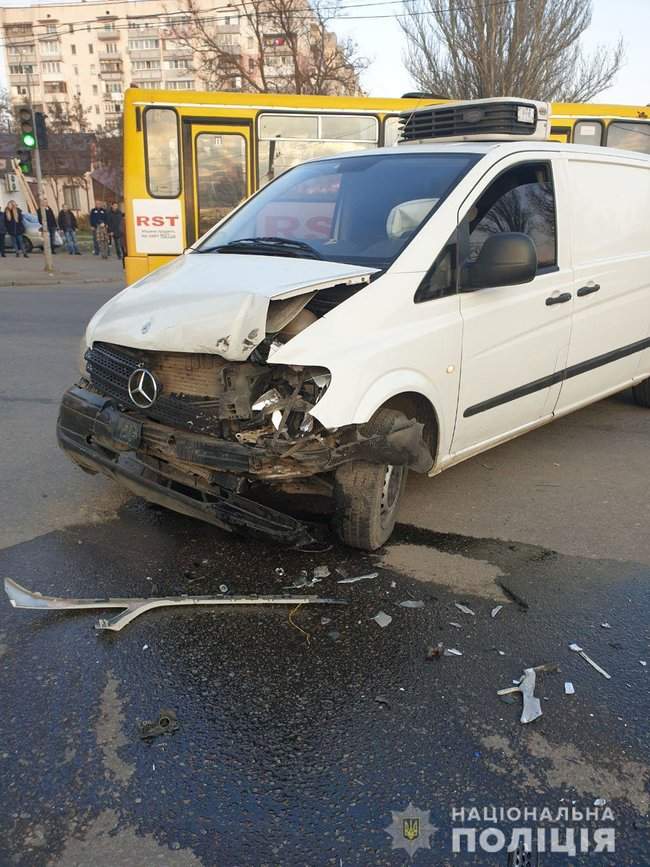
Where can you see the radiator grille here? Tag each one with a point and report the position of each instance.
(109, 368)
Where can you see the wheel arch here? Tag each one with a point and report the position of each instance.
(416, 405)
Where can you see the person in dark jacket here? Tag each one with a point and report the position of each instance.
(3, 232)
(68, 225)
(115, 223)
(51, 226)
(15, 226)
(97, 216)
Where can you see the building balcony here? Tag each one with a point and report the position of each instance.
(108, 34)
(177, 51)
(146, 74)
(111, 76)
(227, 28)
(32, 79)
(229, 47)
(23, 57)
(144, 53)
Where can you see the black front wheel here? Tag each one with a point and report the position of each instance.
(367, 495)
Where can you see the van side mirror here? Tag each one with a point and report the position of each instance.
(505, 259)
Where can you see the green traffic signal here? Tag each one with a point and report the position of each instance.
(28, 139)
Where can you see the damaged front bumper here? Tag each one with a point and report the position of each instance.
(203, 476)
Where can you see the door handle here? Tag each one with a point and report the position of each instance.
(562, 298)
(588, 289)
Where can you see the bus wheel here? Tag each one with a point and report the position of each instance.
(367, 495)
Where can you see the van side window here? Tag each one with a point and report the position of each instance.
(440, 279)
(519, 200)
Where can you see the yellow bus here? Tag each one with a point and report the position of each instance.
(189, 159)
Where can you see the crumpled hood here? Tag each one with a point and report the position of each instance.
(213, 303)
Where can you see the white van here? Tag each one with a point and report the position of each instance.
(405, 307)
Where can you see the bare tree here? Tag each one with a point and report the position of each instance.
(7, 117)
(62, 118)
(289, 48)
(479, 48)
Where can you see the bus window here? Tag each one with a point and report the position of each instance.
(391, 131)
(288, 139)
(220, 176)
(629, 135)
(588, 132)
(161, 137)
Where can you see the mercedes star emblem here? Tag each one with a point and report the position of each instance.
(143, 388)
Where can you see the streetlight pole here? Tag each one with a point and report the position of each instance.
(47, 249)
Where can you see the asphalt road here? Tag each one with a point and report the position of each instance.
(298, 738)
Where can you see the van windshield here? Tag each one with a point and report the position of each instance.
(361, 210)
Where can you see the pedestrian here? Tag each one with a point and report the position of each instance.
(3, 232)
(103, 240)
(51, 226)
(15, 227)
(115, 223)
(68, 225)
(97, 216)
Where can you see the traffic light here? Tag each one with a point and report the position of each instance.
(41, 130)
(24, 160)
(26, 124)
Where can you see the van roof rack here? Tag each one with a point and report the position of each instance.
(504, 118)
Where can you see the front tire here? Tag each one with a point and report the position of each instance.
(641, 393)
(367, 495)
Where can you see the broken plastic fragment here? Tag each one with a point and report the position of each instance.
(600, 802)
(266, 400)
(412, 603)
(577, 649)
(643, 662)
(358, 578)
(464, 609)
(457, 625)
(381, 699)
(451, 651)
(532, 708)
(382, 619)
(321, 572)
(495, 610)
(606, 625)
(569, 689)
(435, 652)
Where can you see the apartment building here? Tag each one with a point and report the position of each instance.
(87, 53)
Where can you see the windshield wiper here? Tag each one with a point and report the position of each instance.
(270, 246)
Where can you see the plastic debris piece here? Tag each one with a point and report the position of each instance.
(501, 652)
(145, 647)
(600, 802)
(223, 588)
(20, 597)
(643, 662)
(412, 603)
(279, 571)
(451, 651)
(464, 609)
(495, 610)
(321, 572)
(358, 578)
(435, 652)
(382, 619)
(577, 649)
(532, 708)
(606, 625)
(457, 625)
(382, 700)
(302, 582)
(569, 688)
(393, 584)
(325, 620)
(164, 725)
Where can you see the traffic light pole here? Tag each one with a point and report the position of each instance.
(47, 249)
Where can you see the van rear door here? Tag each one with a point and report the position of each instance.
(609, 201)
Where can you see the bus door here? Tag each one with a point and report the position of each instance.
(219, 173)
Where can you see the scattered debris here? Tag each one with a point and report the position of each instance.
(457, 625)
(569, 688)
(322, 572)
(22, 598)
(358, 578)
(325, 620)
(412, 603)
(577, 649)
(600, 802)
(223, 588)
(532, 707)
(435, 652)
(451, 651)
(606, 625)
(464, 609)
(393, 585)
(501, 652)
(546, 667)
(382, 700)
(495, 610)
(382, 619)
(279, 571)
(164, 725)
(643, 662)
(302, 582)
(514, 597)
(145, 647)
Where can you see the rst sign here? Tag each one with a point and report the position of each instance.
(158, 226)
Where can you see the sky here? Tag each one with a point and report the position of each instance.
(381, 41)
